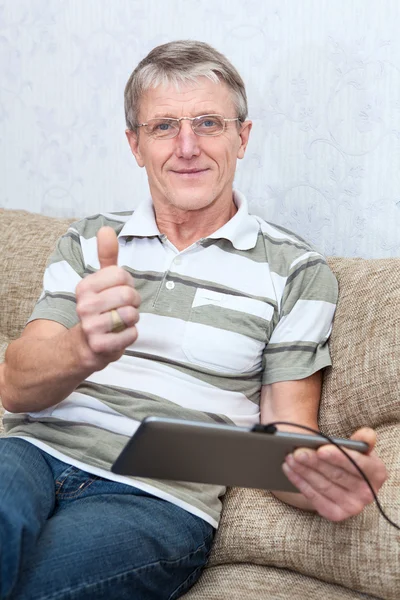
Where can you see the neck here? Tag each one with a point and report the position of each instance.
(185, 227)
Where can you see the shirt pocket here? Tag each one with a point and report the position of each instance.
(225, 332)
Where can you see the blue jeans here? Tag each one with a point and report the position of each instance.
(70, 535)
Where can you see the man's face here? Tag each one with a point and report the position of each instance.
(190, 172)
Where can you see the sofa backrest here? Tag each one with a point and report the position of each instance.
(361, 389)
(26, 241)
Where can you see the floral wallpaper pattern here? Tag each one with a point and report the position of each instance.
(323, 82)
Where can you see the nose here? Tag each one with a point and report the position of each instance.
(187, 142)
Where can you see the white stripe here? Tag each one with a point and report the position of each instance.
(229, 270)
(279, 284)
(204, 297)
(89, 251)
(308, 321)
(121, 479)
(146, 254)
(80, 408)
(60, 277)
(141, 254)
(224, 351)
(181, 389)
(209, 264)
(303, 257)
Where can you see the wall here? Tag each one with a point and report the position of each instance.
(323, 80)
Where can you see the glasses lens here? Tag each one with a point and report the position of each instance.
(162, 128)
(208, 125)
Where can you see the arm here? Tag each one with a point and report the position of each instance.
(328, 482)
(49, 361)
(294, 401)
(43, 366)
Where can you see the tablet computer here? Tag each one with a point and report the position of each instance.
(226, 455)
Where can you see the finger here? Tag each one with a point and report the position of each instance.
(301, 460)
(90, 304)
(365, 434)
(103, 279)
(331, 481)
(115, 297)
(371, 465)
(108, 343)
(107, 247)
(101, 324)
(334, 456)
(331, 508)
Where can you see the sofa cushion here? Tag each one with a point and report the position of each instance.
(362, 388)
(26, 241)
(255, 582)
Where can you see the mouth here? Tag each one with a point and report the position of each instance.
(189, 173)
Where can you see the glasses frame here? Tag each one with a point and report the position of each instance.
(178, 130)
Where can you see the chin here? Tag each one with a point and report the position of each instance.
(191, 199)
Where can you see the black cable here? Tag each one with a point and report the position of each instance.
(271, 428)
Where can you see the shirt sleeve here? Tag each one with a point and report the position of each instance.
(64, 270)
(298, 346)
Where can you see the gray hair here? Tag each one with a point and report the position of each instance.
(179, 62)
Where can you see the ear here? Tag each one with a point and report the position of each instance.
(133, 141)
(244, 137)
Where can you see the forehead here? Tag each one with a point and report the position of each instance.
(189, 99)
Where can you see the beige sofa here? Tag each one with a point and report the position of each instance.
(265, 549)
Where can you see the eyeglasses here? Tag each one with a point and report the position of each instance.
(165, 128)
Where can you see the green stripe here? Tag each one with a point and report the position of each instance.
(137, 405)
(233, 320)
(68, 248)
(60, 310)
(294, 347)
(312, 280)
(89, 227)
(297, 365)
(277, 254)
(192, 282)
(48, 296)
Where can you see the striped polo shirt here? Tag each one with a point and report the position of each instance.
(251, 304)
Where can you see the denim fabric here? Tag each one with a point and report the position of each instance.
(70, 535)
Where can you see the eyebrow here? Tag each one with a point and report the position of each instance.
(169, 115)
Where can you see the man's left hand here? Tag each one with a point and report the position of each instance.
(331, 484)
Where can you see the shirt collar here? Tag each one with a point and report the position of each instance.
(142, 223)
(241, 230)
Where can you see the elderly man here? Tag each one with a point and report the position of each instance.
(235, 314)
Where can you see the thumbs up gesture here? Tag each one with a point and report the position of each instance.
(107, 305)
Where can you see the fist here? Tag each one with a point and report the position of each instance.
(110, 288)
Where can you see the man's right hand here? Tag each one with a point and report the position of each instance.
(49, 361)
(111, 287)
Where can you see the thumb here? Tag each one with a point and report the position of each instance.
(367, 435)
(107, 247)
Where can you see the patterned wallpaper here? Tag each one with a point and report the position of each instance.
(323, 81)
